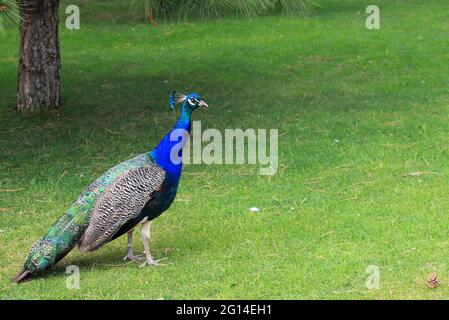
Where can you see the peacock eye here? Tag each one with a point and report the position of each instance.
(191, 102)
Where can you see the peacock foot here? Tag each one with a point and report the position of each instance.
(132, 257)
(152, 262)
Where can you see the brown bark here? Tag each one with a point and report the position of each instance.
(150, 16)
(39, 62)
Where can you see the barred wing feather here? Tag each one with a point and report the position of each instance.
(122, 201)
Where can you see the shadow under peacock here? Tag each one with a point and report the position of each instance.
(134, 192)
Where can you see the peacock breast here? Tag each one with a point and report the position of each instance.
(162, 199)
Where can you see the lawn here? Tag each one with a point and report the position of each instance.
(357, 111)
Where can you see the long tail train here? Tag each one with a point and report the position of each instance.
(60, 239)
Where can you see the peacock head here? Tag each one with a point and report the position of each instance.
(190, 101)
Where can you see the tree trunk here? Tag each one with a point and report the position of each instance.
(39, 63)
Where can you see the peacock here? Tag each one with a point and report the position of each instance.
(134, 192)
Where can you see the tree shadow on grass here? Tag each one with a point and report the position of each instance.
(332, 7)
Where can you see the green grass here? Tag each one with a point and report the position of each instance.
(356, 109)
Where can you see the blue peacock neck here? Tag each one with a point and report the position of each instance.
(162, 153)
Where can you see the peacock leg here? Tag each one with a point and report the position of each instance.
(145, 239)
(129, 254)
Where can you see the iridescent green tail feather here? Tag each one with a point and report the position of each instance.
(59, 240)
(66, 233)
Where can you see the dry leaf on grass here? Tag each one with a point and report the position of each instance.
(418, 173)
(432, 280)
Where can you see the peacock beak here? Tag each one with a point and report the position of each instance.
(202, 104)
